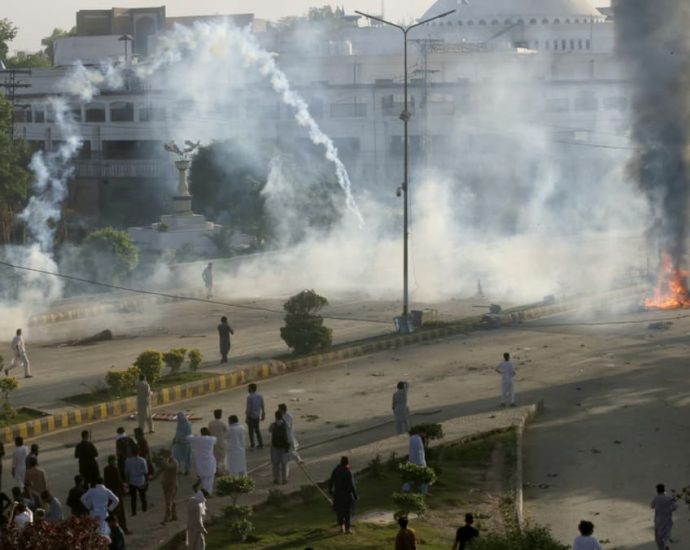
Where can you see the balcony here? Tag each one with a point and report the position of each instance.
(155, 169)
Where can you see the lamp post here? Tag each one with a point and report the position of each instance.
(405, 116)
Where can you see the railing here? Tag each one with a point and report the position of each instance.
(124, 169)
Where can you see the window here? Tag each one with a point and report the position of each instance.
(564, 45)
(39, 113)
(151, 113)
(317, 108)
(555, 44)
(557, 105)
(586, 101)
(544, 21)
(587, 44)
(533, 21)
(579, 44)
(470, 23)
(556, 21)
(482, 22)
(459, 23)
(50, 113)
(414, 145)
(572, 44)
(495, 22)
(20, 115)
(547, 44)
(347, 146)
(75, 113)
(508, 22)
(121, 111)
(393, 105)
(95, 112)
(616, 103)
(350, 109)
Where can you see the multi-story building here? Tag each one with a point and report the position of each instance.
(482, 81)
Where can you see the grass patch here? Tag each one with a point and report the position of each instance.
(20, 415)
(104, 395)
(301, 522)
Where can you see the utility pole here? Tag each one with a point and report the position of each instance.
(426, 46)
(10, 85)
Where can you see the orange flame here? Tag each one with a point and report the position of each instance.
(671, 289)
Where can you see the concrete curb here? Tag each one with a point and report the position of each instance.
(532, 412)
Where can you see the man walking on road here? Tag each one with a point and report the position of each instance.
(254, 413)
(236, 458)
(86, 453)
(19, 355)
(204, 461)
(507, 372)
(663, 506)
(219, 429)
(144, 393)
(196, 512)
(207, 276)
(400, 410)
(224, 332)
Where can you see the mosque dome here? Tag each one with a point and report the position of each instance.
(539, 10)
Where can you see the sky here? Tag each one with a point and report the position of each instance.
(37, 18)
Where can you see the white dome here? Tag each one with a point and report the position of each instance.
(486, 9)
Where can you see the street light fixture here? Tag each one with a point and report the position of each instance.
(405, 116)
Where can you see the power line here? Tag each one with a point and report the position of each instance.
(171, 296)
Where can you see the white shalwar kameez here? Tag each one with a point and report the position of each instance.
(294, 444)
(401, 412)
(204, 460)
(19, 355)
(100, 502)
(418, 457)
(19, 465)
(236, 449)
(507, 371)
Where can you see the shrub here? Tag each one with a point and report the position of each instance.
(428, 432)
(530, 537)
(276, 498)
(240, 530)
(407, 503)
(392, 462)
(234, 486)
(375, 467)
(195, 359)
(304, 331)
(122, 382)
(74, 533)
(7, 386)
(414, 474)
(108, 255)
(174, 358)
(150, 364)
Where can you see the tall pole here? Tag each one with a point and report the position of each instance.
(405, 116)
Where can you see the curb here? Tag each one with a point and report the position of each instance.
(532, 412)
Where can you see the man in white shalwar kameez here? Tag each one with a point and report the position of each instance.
(144, 394)
(19, 456)
(19, 356)
(294, 444)
(204, 461)
(417, 456)
(236, 448)
(100, 502)
(219, 429)
(507, 372)
(400, 410)
(196, 510)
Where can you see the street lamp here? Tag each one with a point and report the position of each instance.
(405, 116)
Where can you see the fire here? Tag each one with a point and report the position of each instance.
(671, 289)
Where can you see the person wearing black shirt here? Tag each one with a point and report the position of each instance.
(465, 534)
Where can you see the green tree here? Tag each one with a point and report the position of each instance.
(15, 177)
(227, 187)
(108, 255)
(29, 61)
(304, 331)
(8, 31)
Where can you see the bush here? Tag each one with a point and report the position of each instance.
(108, 255)
(531, 537)
(174, 358)
(415, 475)
(195, 359)
(232, 512)
(407, 503)
(73, 534)
(150, 364)
(375, 467)
(122, 382)
(7, 386)
(428, 432)
(234, 486)
(304, 331)
(240, 530)
(392, 462)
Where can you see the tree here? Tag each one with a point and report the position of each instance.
(49, 41)
(108, 255)
(29, 61)
(304, 331)
(15, 177)
(227, 187)
(8, 31)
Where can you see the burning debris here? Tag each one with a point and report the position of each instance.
(654, 39)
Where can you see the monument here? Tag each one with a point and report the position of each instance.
(182, 228)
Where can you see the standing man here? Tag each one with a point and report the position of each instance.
(196, 511)
(204, 461)
(137, 478)
(117, 537)
(255, 413)
(224, 332)
(507, 372)
(19, 455)
(207, 276)
(406, 539)
(19, 355)
(236, 458)
(35, 477)
(144, 394)
(280, 449)
(663, 506)
(74, 498)
(219, 429)
(400, 410)
(465, 534)
(417, 456)
(290, 422)
(100, 501)
(113, 481)
(124, 448)
(342, 488)
(86, 453)
(168, 470)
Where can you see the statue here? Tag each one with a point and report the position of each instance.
(182, 165)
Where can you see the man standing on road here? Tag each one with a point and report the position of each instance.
(219, 429)
(144, 403)
(663, 506)
(19, 455)
(19, 355)
(224, 332)
(137, 478)
(169, 470)
(204, 461)
(290, 421)
(507, 372)
(255, 413)
(86, 453)
(280, 449)
(113, 481)
(465, 534)
(74, 498)
(400, 410)
(207, 276)
(236, 458)
(124, 448)
(100, 501)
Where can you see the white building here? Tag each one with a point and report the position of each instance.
(546, 64)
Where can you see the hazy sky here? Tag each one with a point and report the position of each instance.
(37, 18)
